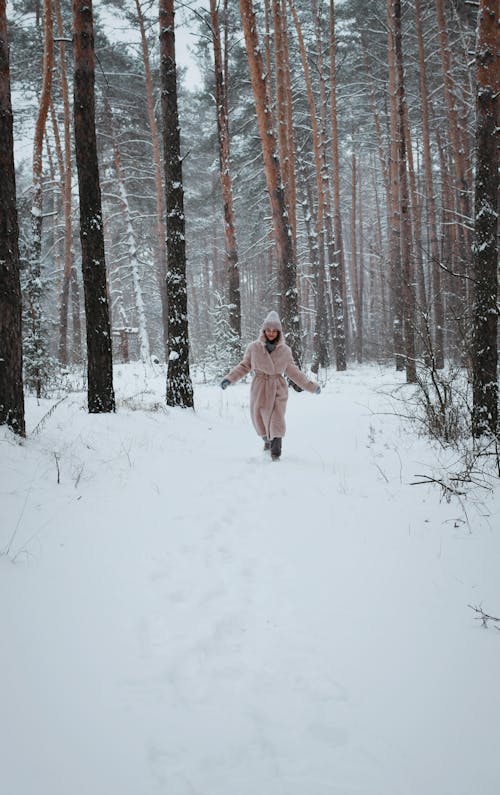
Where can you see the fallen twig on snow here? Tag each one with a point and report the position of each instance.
(58, 468)
(448, 489)
(38, 427)
(483, 617)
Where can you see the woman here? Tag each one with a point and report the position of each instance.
(271, 359)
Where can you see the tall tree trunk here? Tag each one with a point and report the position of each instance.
(332, 250)
(120, 324)
(179, 386)
(406, 233)
(283, 112)
(161, 266)
(327, 317)
(70, 289)
(231, 248)
(53, 192)
(34, 287)
(437, 295)
(75, 314)
(380, 276)
(283, 237)
(361, 269)
(415, 227)
(217, 280)
(355, 286)
(290, 157)
(11, 353)
(447, 243)
(320, 350)
(281, 98)
(338, 263)
(485, 250)
(319, 335)
(267, 44)
(386, 164)
(99, 351)
(144, 350)
(461, 187)
(384, 161)
(66, 191)
(57, 148)
(452, 102)
(395, 224)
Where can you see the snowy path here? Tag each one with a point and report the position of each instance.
(186, 617)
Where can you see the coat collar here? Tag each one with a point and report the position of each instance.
(262, 339)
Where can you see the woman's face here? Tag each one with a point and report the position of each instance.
(271, 334)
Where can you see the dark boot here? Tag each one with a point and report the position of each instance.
(267, 443)
(275, 448)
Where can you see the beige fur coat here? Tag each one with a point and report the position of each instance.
(269, 390)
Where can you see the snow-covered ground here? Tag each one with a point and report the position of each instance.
(180, 615)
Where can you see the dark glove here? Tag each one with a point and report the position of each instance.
(318, 390)
(224, 383)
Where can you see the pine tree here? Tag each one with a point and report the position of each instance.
(485, 250)
(437, 298)
(161, 263)
(11, 359)
(67, 201)
(286, 262)
(231, 249)
(36, 347)
(179, 386)
(99, 354)
(144, 350)
(403, 206)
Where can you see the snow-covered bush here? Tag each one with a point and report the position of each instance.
(443, 399)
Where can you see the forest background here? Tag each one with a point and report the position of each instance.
(360, 122)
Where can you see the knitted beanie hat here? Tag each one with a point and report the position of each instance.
(272, 321)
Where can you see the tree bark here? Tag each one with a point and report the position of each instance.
(99, 350)
(267, 45)
(319, 334)
(66, 192)
(437, 296)
(485, 249)
(280, 104)
(338, 331)
(283, 237)
(420, 289)
(395, 224)
(11, 354)
(161, 267)
(283, 113)
(355, 271)
(231, 248)
(361, 268)
(291, 153)
(461, 186)
(179, 387)
(332, 319)
(34, 287)
(406, 233)
(144, 349)
(338, 263)
(320, 351)
(389, 316)
(448, 246)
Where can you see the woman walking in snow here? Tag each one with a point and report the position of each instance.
(271, 359)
